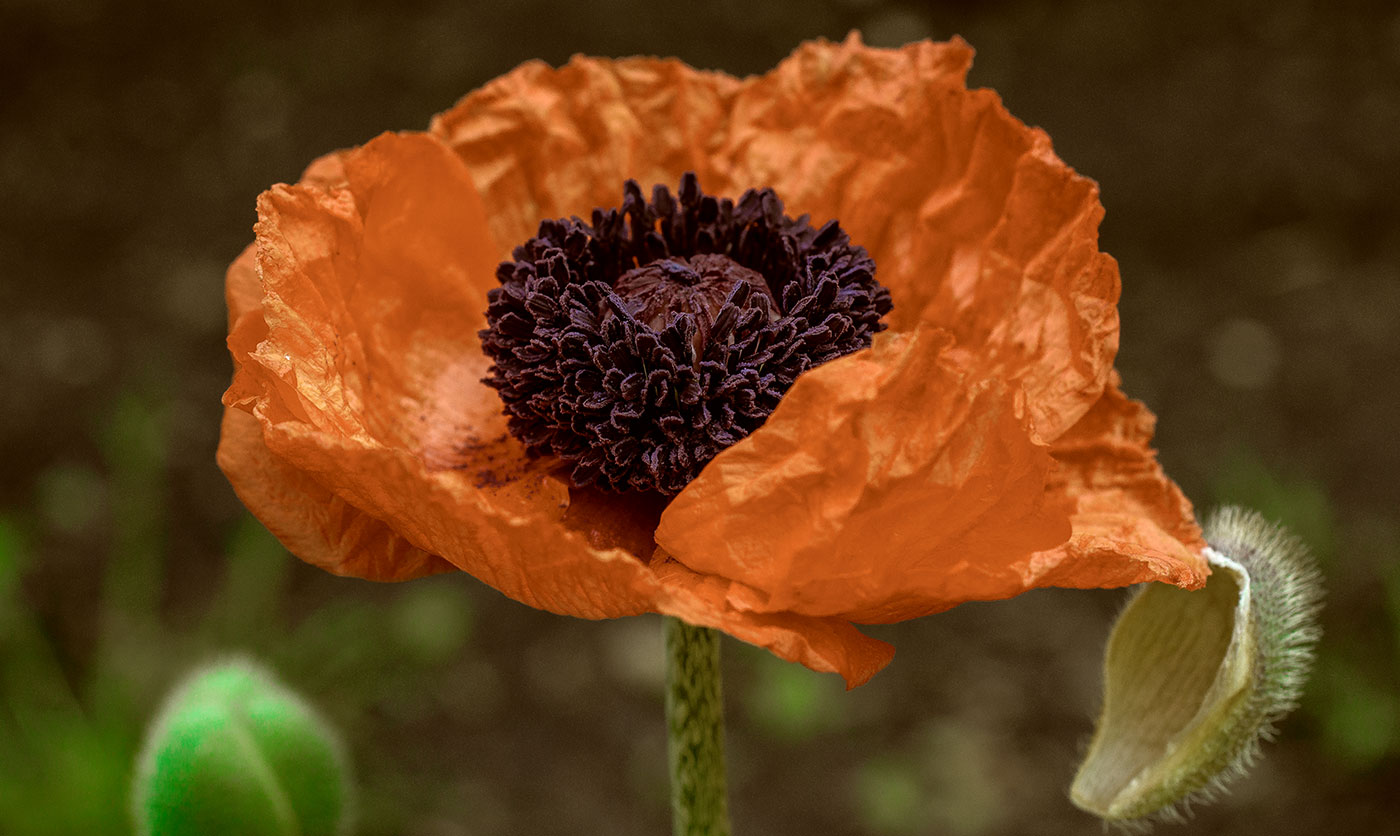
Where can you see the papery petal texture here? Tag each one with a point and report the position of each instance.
(979, 448)
(1131, 523)
(385, 460)
(368, 379)
(877, 483)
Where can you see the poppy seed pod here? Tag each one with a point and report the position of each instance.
(1194, 680)
(234, 753)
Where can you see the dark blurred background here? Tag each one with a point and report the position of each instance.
(1249, 163)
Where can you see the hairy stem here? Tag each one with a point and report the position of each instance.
(695, 728)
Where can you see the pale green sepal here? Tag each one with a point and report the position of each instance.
(1194, 680)
(233, 751)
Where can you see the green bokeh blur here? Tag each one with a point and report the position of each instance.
(1247, 158)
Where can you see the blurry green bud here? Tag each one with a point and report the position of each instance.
(235, 752)
(1194, 680)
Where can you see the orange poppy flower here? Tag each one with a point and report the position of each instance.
(978, 448)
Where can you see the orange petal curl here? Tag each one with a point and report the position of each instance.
(1131, 523)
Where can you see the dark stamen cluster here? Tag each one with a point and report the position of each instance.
(638, 346)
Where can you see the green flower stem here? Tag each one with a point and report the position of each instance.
(695, 729)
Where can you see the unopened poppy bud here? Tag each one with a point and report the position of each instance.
(1194, 680)
(235, 752)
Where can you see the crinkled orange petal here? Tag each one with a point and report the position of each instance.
(886, 485)
(1131, 523)
(312, 522)
(363, 372)
(826, 645)
(324, 530)
(545, 143)
(359, 432)
(242, 287)
(975, 225)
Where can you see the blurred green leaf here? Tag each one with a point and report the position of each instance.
(1381, 538)
(791, 702)
(72, 780)
(1360, 720)
(889, 796)
(1297, 501)
(13, 547)
(60, 772)
(256, 572)
(33, 690)
(329, 647)
(71, 497)
(133, 646)
(133, 444)
(432, 618)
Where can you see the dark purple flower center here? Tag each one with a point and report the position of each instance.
(698, 286)
(636, 347)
